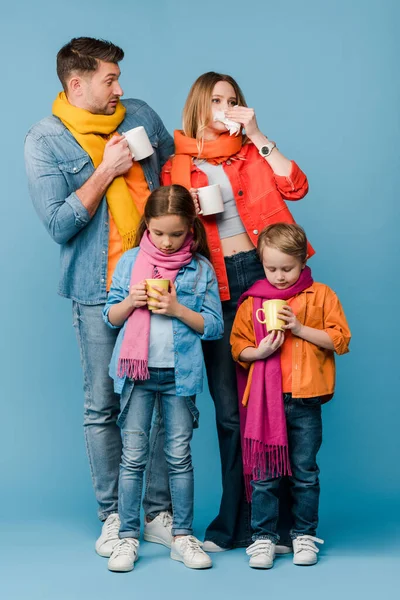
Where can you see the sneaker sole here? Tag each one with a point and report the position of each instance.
(156, 540)
(190, 565)
(104, 553)
(305, 564)
(264, 568)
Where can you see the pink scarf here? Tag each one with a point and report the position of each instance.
(150, 263)
(263, 423)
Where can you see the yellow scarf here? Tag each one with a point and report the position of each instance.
(88, 129)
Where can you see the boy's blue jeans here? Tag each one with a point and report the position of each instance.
(304, 428)
(135, 429)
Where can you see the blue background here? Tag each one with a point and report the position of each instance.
(323, 78)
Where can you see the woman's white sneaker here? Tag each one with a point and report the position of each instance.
(108, 536)
(262, 554)
(188, 549)
(124, 555)
(159, 530)
(305, 551)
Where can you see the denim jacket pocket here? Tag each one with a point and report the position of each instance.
(74, 166)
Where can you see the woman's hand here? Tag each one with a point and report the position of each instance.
(195, 195)
(137, 295)
(270, 344)
(167, 302)
(245, 116)
(291, 322)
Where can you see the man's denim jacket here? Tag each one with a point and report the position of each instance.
(56, 167)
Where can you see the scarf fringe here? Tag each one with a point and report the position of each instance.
(128, 240)
(262, 460)
(133, 368)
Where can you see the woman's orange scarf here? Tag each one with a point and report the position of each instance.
(215, 152)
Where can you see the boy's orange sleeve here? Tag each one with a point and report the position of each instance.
(242, 335)
(335, 323)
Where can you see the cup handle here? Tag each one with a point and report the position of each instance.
(258, 318)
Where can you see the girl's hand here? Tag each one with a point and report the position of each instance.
(167, 301)
(137, 295)
(291, 321)
(245, 116)
(195, 195)
(270, 344)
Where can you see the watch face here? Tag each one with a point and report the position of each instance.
(265, 150)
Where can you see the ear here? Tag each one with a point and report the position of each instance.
(75, 85)
(304, 264)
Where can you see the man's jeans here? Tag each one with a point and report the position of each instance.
(101, 408)
(178, 422)
(304, 427)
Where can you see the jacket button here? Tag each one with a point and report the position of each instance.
(228, 162)
(240, 193)
(255, 231)
(74, 169)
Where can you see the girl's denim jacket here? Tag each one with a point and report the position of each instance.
(196, 288)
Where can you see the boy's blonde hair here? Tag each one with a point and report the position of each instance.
(289, 238)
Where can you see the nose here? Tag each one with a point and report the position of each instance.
(118, 91)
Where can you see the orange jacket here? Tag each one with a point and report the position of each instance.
(313, 368)
(259, 195)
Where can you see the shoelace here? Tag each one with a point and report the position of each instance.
(125, 546)
(166, 519)
(260, 547)
(191, 544)
(306, 542)
(112, 526)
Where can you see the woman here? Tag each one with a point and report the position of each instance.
(255, 178)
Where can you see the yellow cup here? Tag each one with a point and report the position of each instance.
(162, 283)
(270, 311)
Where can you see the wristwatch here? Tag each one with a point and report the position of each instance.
(267, 149)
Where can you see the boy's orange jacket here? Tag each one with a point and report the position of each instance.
(313, 368)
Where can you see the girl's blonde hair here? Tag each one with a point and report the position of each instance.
(174, 200)
(289, 238)
(197, 110)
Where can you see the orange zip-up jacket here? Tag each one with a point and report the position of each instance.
(312, 367)
(259, 194)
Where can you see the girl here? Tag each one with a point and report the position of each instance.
(255, 178)
(157, 356)
(282, 392)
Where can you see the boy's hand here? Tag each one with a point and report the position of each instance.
(137, 295)
(167, 301)
(270, 344)
(291, 321)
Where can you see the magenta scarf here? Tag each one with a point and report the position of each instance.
(150, 263)
(262, 422)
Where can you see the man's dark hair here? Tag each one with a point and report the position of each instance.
(82, 55)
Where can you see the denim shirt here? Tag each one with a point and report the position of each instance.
(57, 166)
(197, 289)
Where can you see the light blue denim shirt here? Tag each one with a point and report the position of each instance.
(197, 288)
(57, 166)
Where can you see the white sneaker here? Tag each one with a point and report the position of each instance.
(124, 555)
(211, 547)
(262, 554)
(305, 551)
(109, 535)
(283, 549)
(159, 530)
(187, 549)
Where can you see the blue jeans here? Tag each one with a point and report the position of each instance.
(178, 423)
(304, 428)
(101, 408)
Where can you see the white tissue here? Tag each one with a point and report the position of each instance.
(233, 127)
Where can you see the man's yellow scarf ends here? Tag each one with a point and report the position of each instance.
(88, 129)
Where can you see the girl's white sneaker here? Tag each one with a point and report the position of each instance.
(124, 555)
(109, 535)
(305, 551)
(262, 554)
(188, 549)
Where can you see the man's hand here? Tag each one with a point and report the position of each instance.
(117, 157)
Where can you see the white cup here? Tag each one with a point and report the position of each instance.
(210, 199)
(139, 143)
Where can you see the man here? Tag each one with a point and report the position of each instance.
(89, 193)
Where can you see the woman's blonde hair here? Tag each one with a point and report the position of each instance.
(197, 109)
(289, 238)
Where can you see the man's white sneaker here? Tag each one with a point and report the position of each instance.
(305, 551)
(159, 530)
(283, 549)
(124, 555)
(212, 547)
(187, 549)
(109, 535)
(262, 554)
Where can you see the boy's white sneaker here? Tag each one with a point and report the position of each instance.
(305, 551)
(212, 547)
(262, 554)
(188, 549)
(124, 555)
(108, 536)
(159, 530)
